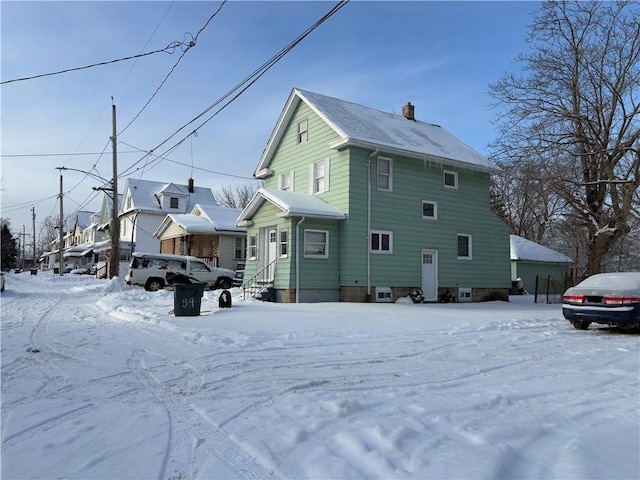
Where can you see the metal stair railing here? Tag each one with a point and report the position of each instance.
(259, 281)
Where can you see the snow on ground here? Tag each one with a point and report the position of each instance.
(101, 381)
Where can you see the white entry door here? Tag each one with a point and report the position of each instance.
(430, 274)
(272, 252)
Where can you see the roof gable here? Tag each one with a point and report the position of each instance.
(292, 204)
(204, 219)
(357, 125)
(145, 194)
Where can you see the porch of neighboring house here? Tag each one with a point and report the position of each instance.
(206, 247)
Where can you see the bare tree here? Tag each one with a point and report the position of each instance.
(574, 115)
(238, 196)
(520, 197)
(48, 233)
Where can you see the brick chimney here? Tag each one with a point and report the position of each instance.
(408, 111)
(190, 185)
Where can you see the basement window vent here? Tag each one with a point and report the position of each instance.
(383, 294)
(464, 294)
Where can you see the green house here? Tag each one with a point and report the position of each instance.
(363, 205)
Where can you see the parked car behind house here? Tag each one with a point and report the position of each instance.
(608, 298)
(149, 270)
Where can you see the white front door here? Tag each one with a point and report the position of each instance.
(430, 274)
(272, 252)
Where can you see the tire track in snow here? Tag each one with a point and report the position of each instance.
(11, 440)
(185, 455)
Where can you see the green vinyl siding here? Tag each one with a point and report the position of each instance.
(556, 275)
(297, 157)
(320, 273)
(461, 211)
(465, 210)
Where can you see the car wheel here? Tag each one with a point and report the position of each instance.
(154, 284)
(225, 283)
(580, 324)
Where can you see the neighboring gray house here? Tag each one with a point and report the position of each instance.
(208, 232)
(146, 203)
(530, 260)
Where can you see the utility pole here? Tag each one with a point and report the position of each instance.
(60, 228)
(33, 218)
(24, 244)
(114, 259)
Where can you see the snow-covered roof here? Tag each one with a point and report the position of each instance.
(366, 127)
(523, 249)
(292, 204)
(145, 193)
(204, 219)
(222, 218)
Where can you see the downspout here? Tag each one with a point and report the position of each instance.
(298, 259)
(373, 154)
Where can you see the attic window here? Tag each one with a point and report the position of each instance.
(173, 202)
(303, 131)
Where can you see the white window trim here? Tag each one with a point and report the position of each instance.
(312, 176)
(470, 256)
(390, 174)
(252, 247)
(455, 176)
(280, 243)
(299, 133)
(326, 248)
(242, 246)
(380, 251)
(435, 210)
(291, 177)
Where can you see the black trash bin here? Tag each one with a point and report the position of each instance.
(187, 299)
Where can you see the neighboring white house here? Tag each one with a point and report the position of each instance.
(146, 203)
(534, 264)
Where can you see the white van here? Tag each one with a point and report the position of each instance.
(149, 270)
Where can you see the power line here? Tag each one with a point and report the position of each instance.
(190, 44)
(9, 155)
(170, 49)
(242, 86)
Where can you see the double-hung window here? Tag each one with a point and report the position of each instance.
(252, 247)
(381, 242)
(283, 243)
(173, 202)
(464, 247)
(319, 175)
(316, 244)
(240, 250)
(303, 131)
(385, 174)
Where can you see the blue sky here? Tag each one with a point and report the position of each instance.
(440, 56)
